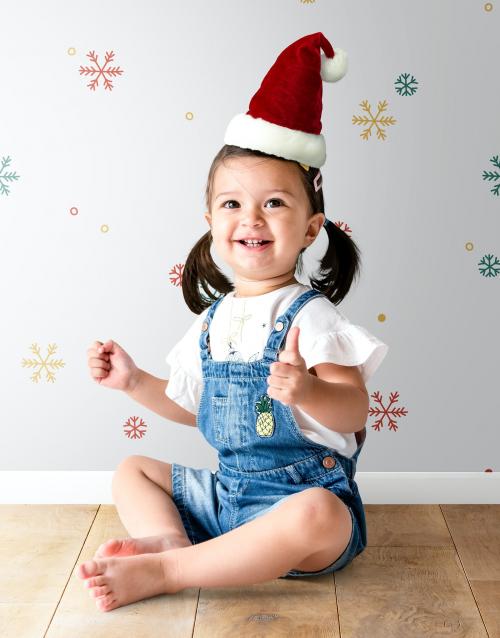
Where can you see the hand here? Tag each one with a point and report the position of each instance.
(111, 366)
(290, 381)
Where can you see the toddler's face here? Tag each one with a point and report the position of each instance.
(247, 202)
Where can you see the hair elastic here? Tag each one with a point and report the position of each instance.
(318, 181)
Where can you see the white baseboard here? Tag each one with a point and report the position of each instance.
(94, 487)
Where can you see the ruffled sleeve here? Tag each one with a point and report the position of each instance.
(351, 346)
(182, 387)
(185, 379)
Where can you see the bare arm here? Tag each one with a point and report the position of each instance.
(340, 407)
(149, 391)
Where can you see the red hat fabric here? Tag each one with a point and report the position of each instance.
(284, 116)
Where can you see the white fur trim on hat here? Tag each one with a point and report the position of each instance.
(333, 69)
(258, 134)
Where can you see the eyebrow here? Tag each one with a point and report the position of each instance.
(273, 190)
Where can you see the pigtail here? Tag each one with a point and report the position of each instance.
(340, 265)
(200, 271)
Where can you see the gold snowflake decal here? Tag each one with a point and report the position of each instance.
(41, 364)
(373, 121)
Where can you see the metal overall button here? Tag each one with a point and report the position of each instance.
(279, 326)
(329, 462)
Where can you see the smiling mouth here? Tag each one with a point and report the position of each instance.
(256, 247)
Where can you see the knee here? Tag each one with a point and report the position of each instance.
(316, 508)
(129, 464)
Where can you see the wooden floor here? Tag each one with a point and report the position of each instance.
(428, 571)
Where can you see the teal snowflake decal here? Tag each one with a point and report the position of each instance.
(493, 175)
(9, 176)
(405, 86)
(491, 266)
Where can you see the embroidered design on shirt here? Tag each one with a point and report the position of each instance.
(234, 354)
(240, 322)
(265, 420)
(235, 336)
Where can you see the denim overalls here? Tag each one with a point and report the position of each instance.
(263, 455)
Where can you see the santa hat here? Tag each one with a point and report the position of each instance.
(284, 116)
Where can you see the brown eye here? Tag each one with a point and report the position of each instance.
(275, 200)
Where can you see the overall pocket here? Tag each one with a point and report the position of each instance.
(220, 418)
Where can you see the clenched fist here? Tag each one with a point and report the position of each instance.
(111, 366)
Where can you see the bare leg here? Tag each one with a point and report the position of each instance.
(142, 489)
(258, 551)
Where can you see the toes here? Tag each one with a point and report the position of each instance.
(88, 569)
(106, 603)
(108, 548)
(97, 581)
(97, 592)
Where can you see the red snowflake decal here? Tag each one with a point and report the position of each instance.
(396, 412)
(113, 71)
(346, 228)
(177, 271)
(135, 428)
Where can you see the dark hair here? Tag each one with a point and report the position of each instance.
(338, 267)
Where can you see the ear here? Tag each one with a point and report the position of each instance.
(315, 224)
(208, 217)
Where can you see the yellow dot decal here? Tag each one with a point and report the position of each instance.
(488, 6)
(381, 317)
(71, 51)
(469, 246)
(189, 115)
(104, 228)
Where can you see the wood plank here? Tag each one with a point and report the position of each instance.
(39, 545)
(412, 581)
(487, 595)
(406, 526)
(25, 620)
(77, 614)
(389, 592)
(281, 607)
(476, 533)
(409, 581)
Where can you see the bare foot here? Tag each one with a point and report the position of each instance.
(115, 582)
(144, 545)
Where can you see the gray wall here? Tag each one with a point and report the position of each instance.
(416, 204)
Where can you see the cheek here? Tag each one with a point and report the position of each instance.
(222, 229)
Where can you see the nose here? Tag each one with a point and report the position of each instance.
(252, 216)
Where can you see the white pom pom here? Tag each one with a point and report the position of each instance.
(333, 69)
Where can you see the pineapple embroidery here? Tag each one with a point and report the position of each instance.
(265, 421)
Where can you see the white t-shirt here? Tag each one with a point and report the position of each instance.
(239, 331)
